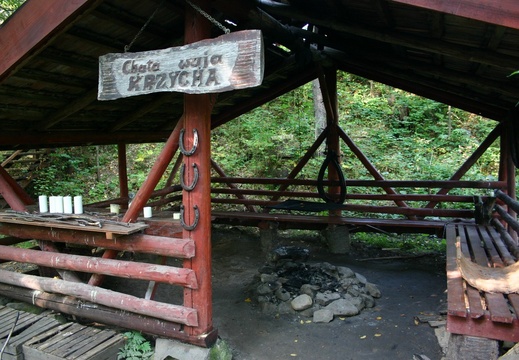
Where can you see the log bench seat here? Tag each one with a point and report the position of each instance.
(470, 311)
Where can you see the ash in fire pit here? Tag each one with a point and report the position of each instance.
(287, 284)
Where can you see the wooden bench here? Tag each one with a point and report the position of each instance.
(470, 311)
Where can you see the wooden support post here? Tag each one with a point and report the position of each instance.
(197, 203)
(8, 191)
(123, 172)
(143, 195)
(507, 167)
(328, 82)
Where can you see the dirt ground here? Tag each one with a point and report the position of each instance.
(410, 288)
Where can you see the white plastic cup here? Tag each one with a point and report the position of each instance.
(59, 204)
(115, 208)
(78, 204)
(52, 204)
(147, 211)
(44, 206)
(67, 204)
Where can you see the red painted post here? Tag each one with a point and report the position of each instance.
(197, 115)
(332, 140)
(143, 195)
(17, 190)
(9, 194)
(123, 172)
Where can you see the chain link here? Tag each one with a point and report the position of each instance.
(127, 47)
(209, 17)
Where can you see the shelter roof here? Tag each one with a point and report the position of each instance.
(457, 52)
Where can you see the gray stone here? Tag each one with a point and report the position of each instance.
(330, 270)
(358, 302)
(368, 300)
(345, 271)
(167, 349)
(323, 316)
(326, 298)
(310, 311)
(308, 289)
(302, 302)
(264, 289)
(342, 307)
(347, 282)
(285, 308)
(354, 291)
(373, 290)
(282, 294)
(268, 278)
(361, 278)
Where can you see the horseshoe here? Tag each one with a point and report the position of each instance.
(195, 223)
(181, 143)
(195, 179)
(331, 158)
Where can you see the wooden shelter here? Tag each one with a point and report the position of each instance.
(457, 52)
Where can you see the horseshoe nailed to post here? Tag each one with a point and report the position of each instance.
(195, 178)
(181, 143)
(195, 222)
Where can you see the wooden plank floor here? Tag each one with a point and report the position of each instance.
(470, 311)
(38, 337)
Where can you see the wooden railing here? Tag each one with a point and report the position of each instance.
(363, 196)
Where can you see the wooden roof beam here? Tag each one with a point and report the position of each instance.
(29, 140)
(411, 41)
(75, 106)
(30, 28)
(141, 111)
(500, 12)
(427, 87)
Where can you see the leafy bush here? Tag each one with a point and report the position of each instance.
(136, 347)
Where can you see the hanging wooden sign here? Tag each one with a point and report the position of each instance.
(229, 62)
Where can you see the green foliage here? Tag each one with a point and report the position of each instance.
(405, 136)
(93, 171)
(7, 7)
(66, 173)
(136, 347)
(409, 243)
(220, 351)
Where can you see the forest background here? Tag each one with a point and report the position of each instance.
(405, 136)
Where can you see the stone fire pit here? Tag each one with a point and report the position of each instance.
(288, 284)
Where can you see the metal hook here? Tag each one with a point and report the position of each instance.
(181, 143)
(195, 223)
(195, 178)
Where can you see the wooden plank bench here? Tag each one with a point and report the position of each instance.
(470, 311)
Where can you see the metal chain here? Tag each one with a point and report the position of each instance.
(127, 47)
(209, 17)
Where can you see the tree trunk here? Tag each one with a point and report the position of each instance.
(320, 114)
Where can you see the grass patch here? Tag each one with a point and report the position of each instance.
(412, 243)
